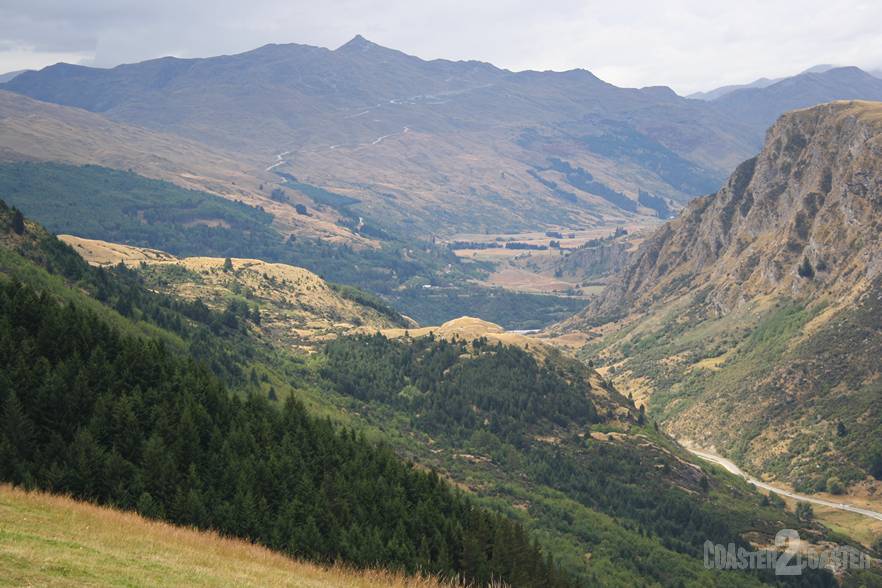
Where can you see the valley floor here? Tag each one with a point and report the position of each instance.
(50, 540)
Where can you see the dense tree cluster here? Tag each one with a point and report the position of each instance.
(500, 388)
(134, 209)
(121, 420)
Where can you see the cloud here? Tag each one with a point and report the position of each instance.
(688, 44)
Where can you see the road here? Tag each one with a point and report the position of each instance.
(732, 468)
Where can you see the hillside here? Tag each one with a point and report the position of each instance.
(56, 541)
(145, 402)
(35, 131)
(760, 106)
(182, 413)
(423, 279)
(297, 308)
(749, 323)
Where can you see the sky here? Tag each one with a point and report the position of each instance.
(689, 45)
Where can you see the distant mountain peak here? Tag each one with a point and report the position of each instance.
(820, 68)
(358, 43)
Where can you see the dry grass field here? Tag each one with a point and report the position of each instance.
(297, 307)
(50, 540)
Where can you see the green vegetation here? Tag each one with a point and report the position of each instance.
(804, 511)
(583, 180)
(512, 310)
(805, 269)
(518, 429)
(114, 409)
(506, 391)
(760, 356)
(134, 209)
(126, 420)
(152, 213)
(622, 141)
(371, 301)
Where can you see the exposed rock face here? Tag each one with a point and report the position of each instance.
(596, 261)
(802, 216)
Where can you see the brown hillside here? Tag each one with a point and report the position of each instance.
(31, 130)
(297, 307)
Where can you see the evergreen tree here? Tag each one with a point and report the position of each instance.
(18, 224)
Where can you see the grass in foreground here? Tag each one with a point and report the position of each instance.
(51, 540)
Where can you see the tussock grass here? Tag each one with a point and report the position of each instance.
(49, 540)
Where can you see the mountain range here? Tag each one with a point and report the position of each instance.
(244, 323)
(758, 83)
(418, 142)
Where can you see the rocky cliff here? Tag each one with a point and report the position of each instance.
(752, 323)
(801, 217)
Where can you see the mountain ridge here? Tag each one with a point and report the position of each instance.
(417, 142)
(395, 119)
(706, 232)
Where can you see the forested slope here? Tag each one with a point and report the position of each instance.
(123, 419)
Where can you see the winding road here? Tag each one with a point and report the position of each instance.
(734, 469)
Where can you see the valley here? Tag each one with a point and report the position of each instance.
(730, 340)
(350, 317)
(841, 504)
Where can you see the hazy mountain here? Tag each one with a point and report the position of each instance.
(31, 130)
(758, 308)
(723, 90)
(420, 142)
(442, 146)
(761, 106)
(10, 75)
(758, 83)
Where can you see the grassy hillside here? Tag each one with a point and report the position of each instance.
(134, 209)
(118, 416)
(295, 306)
(56, 541)
(778, 381)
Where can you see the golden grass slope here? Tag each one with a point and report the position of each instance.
(50, 540)
(470, 328)
(297, 307)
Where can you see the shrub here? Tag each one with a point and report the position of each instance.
(834, 485)
(804, 512)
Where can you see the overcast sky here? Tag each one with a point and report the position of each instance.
(686, 44)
